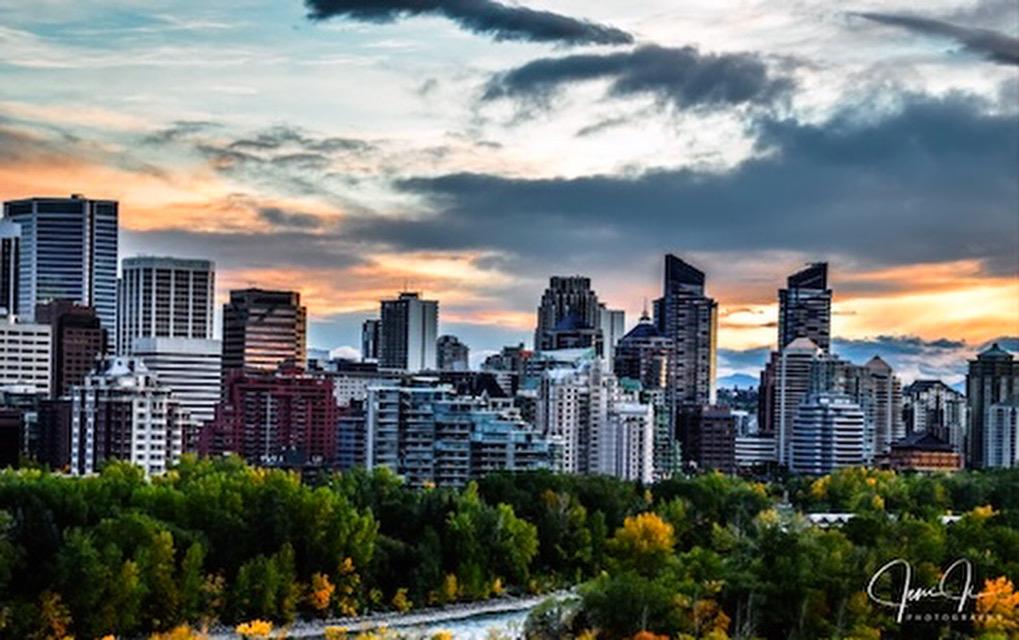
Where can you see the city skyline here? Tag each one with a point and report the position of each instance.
(385, 160)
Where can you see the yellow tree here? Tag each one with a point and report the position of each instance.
(998, 608)
(320, 593)
(644, 542)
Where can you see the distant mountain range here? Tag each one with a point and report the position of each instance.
(740, 380)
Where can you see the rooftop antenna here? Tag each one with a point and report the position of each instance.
(643, 314)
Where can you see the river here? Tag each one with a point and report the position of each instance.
(497, 618)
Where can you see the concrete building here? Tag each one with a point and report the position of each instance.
(409, 332)
(79, 341)
(1001, 434)
(612, 323)
(264, 329)
(626, 450)
(430, 436)
(68, 249)
(931, 406)
(122, 412)
(371, 337)
(828, 434)
(804, 307)
(10, 258)
(785, 382)
(165, 298)
(689, 318)
(26, 354)
(192, 369)
(274, 417)
(754, 450)
(708, 437)
(451, 354)
(993, 378)
(923, 451)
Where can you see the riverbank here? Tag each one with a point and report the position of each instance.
(468, 615)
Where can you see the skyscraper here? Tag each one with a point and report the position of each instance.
(451, 354)
(10, 244)
(371, 335)
(79, 340)
(165, 298)
(68, 250)
(568, 303)
(643, 355)
(804, 307)
(263, 329)
(409, 331)
(993, 379)
(689, 318)
(786, 381)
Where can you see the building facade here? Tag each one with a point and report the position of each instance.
(804, 307)
(689, 318)
(451, 354)
(121, 412)
(79, 341)
(371, 336)
(274, 417)
(193, 371)
(165, 298)
(10, 258)
(409, 333)
(264, 329)
(26, 354)
(828, 434)
(993, 378)
(931, 406)
(68, 250)
(1001, 434)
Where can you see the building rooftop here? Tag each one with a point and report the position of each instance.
(922, 441)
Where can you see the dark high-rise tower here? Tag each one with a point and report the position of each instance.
(689, 318)
(409, 330)
(263, 329)
(10, 243)
(993, 379)
(568, 306)
(68, 250)
(804, 307)
(78, 341)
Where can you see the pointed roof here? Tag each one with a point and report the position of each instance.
(644, 329)
(924, 441)
(802, 344)
(995, 352)
(877, 362)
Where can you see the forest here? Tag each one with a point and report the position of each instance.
(218, 542)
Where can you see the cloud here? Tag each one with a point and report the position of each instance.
(930, 182)
(293, 219)
(911, 357)
(483, 17)
(679, 77)
(993, 45)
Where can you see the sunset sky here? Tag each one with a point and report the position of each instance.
(473, 149)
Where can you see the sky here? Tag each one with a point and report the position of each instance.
(350, 149)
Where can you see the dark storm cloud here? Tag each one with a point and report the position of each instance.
(245, 250)
(294, 219)
(993, 45)
(934, 181)
(484, 17)
(681, 77)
